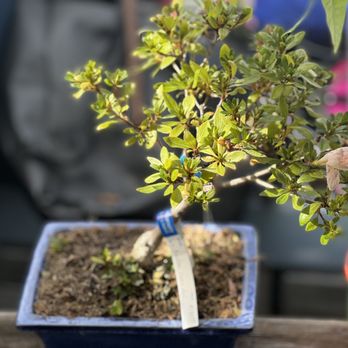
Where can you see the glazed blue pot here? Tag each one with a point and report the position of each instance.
(59, 332)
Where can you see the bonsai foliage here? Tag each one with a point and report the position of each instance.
(210, 118)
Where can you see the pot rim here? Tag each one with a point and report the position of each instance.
(27, 319)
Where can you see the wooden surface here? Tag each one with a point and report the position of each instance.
(10, 337)
(268, 333)
(296, 333)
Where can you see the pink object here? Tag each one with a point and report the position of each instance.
(337, 92)
(345, 267)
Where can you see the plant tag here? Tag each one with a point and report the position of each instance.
(183, 269)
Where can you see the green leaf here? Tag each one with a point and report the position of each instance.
(223, 33)
(176, 142)
(169, 190)
(281, 176)
(296, 168)
(79, 94)
(171, 104)
(310, 81)
(303, 219)
(177, 130)
(308, 212)
(116, 308)
(188, 103)
(203, 133)
(219, 120)
(230, 165)
(277, 92)
(311, 176)
(295, 40)
(324, 239)
(313, 113)
(167, 61)
(154, 161)
(297, 202)
(335, 15)
(152, 178)
(235, 156)
(208, 150)
(150, 139)
(254, 153)
(175, 197)
(312, 225)
(282, 199)
(164, 154)
(174, 175)
(226, 56)
(248, 80)
(106, 125)
(131, 141)
(305, 178)
(220, 169)
(152, 188)
(272, 192)
(190, 140)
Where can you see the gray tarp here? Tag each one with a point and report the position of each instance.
(70, 170)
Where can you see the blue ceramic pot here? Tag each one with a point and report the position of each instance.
(58, 332)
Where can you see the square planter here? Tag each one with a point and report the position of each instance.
(58, 331)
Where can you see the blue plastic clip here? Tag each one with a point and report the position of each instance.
(166, 223)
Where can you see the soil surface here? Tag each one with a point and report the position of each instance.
(88, 272)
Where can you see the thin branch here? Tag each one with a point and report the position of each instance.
(251, 177)
(200, 107)
(176, 68)
(126, 120)
(218, 105)
(264, 183)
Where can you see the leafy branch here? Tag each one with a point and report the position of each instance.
(212, 116)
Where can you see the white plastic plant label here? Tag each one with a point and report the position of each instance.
(183, 269)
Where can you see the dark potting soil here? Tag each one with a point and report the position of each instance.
(88, 272)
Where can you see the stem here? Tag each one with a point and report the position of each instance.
(128, 122)
(176, 68)
(147, 242)
(122, 117)
(200, 107)
(322, 217)
(251, 177)
(264, 183)
(218, 105)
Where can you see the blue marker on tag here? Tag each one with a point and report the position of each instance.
(166, 223)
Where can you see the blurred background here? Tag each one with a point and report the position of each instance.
(53, 166)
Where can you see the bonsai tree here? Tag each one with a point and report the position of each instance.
(206, 119)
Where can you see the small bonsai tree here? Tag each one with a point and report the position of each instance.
(209, 118)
